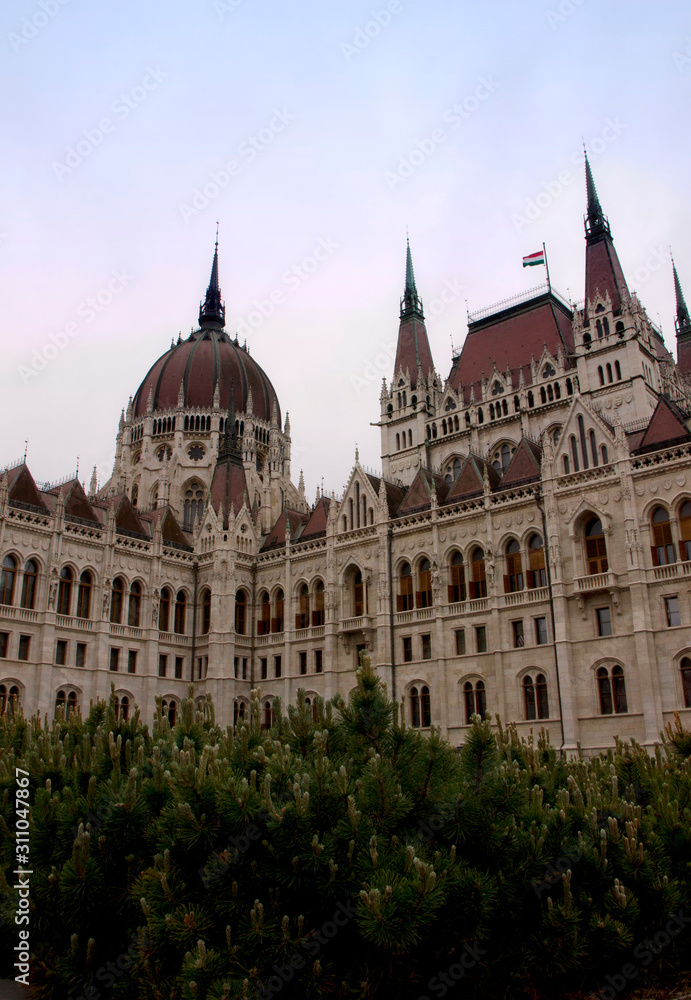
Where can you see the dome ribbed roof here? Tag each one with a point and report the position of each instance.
(207, 357)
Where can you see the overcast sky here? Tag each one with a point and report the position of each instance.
(131, 127)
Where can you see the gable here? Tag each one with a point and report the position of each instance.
(127, 520)
(666, 426)
(469, 481)
(524, 465)
(317, 523)
(77, 504)
(586, 440)
(23, 489)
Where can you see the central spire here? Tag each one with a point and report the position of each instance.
(596, 223)
(411, 302)
(683, 321)
(212, 311)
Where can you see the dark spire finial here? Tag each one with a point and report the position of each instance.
(411, 302)
(682, 323)
(212, 311)
(596, 223)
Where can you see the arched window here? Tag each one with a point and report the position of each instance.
(557, 390)
(475, 699)
(423, 597)
(605, 325)
(550, 393)
(268, 715)
(513, 581)
(135, 495)
(398, 442)
(28, 584)
(565, 463)
(478, 582)
(574, 453)
(617, 370)
(264, 623)
(603, 454)
(60, 702)
(318, 615)
(598, 326)
(685, 667)
(122, 708)
(3, 699)
(612, 690)
(116, 600)
(180, 612)
(662, 548)
(425, 708)
(601, 374)
(404, 600)
(302, 618)
(537, 575)
(569, 386)
(240, 612)
(65, 591)
(415, 708)
(685, 529)
(164, 610)
(593, 446)
(543, 395)
(581, 434)
(587, 340)
(595, 547)
(194, 506)
(480, 416)
(609, 372)
(535, 697)
(169, 708)
(84, 595)
(135, 605)
(420, 708)
(206, 612)
(457, 585)
(9, 701)
(360, 595)
(71, 705)
(531, 399)
(277, 621)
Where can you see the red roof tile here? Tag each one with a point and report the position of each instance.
(470, 480)
(419, 496)
(277, 535)
(22, 487)
(603, 273)
(524, 466)
(666, 426)
(413, 348)
(317, 523)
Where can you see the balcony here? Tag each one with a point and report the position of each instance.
(531, 596)
(357, 624)
(68, 621)
(126, 630)
(268, 640)
(472, 607)
(417, 615)
(23, 614)
(595, 581)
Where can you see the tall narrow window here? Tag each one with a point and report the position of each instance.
(415, 708)
(28, 584)
(405, 597)
(206, 612)
(425, 715)
(264, 623)
(457, 585)
(581, 435)
(574, 453)
(475, 699)
(612, 690)
(180, 612)
(277, 621)
(663, 547)
(360, 595)
(164, 610)
(685, 667)
(513, 581)
(537, 575)
(135, 605)
(116, 600)
(84, 595)
(240, 612)
(65, 591)
(685, 530)
(593, 446)
(318, 613)
(423, 597)
(529, 698)
(478, 584)
(7, 577)
(302, 618)
(595, 547)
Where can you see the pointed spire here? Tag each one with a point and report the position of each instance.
(301, 485)
(683, 321)
(212, 312)
(411, 302)
(93, 487)
(596, 223)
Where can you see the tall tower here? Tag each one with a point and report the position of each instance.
(411, 396)
(682, 325)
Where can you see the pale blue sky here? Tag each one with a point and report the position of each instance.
(184, 87)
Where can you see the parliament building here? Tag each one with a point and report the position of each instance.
(526, 549)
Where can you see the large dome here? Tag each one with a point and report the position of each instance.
(206, 358)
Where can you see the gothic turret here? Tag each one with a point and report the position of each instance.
(413, 350)
(682, 325)
(603, 274)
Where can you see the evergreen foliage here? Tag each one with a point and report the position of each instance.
(339, 854)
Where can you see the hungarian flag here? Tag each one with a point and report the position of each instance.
(534, 258)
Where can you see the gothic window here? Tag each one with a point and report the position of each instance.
(7, 577)
(685, 530)
(685, 667)
(398, 442)
(206, 612)
(443, 426)
(28, 584)
(194, 506)
(302, 618)
(535, 697)
(65, 591)
(598, 326)
(603, 454)
(609, 372)
(475, 699)
(404, 600)
(420, 708)
(537, 574)
(135, 495)
(531, 400)
(587, 340)
(601, 374)
(318, 613)
(569, 387)
(557, 390)
(595, 547)
(550, 393)
(593, 446)
(180, 612)
(359, 595)
(548, 371)
(135, 604)
(60, 702)
(84, 595)
(574, 453)
(9, 702)
(457, 585)
(513, 581)
(480, 416)
(164, 610)
(122, 707)
(196, 453)
(478, 583)
(605, 325)
(423, 597)
(240, 612)
(415, 708)
(565, 463)
(516, 404)
(543, 395)
(617, 370)
(277, 621)
(663, 547)
(168, 710)
(116, 600)
(497, 388)
(264, 623)
(581, 435)
(612, 690)
(164, 454)
(268, 715)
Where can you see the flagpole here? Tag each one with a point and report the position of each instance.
(549, 284)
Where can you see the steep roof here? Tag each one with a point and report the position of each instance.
(413, 350)
(419, 496)
(470, 480)
(509, 337)
(524, 466)
(228, 487)
(394, 493)
(667, 426)
(277, 535)
(170, 529)
(22, 488)
(316, 525)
